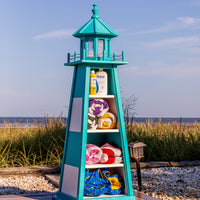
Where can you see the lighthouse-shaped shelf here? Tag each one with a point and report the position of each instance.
(95, 53)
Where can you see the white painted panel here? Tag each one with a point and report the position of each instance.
(76, 115)
(70, 180)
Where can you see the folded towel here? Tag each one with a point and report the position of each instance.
(117, 150)
(92, 121)
(118, 160)
(107, 156)
(111, 154)
(115, 181)
(107, 121)
(93, 154)
(98, 107)
(94, 184)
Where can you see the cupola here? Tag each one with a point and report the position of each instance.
(95, 38)
(95, 41)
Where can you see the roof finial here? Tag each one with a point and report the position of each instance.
(95, 11)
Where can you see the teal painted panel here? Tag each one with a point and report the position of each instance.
(100, 139)
(114, 139)
(80, 82)
(110, 81)
(96, 138)
(73, 150)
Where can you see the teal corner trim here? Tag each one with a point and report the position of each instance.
(123, 135)
(84, 132)
(67, 128)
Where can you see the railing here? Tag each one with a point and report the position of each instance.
(120, 57)
(73, 58)
(105, 57)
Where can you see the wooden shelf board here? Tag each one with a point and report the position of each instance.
(103, 131)
(104, 196)
(101, 97)
(104, 166)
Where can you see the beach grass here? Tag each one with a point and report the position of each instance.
(33, 145)
(167, 142)
(39, 145)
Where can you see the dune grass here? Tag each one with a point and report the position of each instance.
(32, 145)
(39, 145)
(167, 142)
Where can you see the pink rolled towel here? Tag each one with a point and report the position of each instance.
(93, 154)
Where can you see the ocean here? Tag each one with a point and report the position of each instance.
(28, 121)
(25, 121)
(170, 120)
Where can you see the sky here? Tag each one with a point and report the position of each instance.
(161, 40)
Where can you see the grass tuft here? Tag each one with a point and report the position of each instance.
(32, 145)
(167, 142)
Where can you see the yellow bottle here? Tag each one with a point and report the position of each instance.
(93, 80)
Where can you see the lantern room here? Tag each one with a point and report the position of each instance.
(95, 41)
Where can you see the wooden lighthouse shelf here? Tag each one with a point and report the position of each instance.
(95, 53)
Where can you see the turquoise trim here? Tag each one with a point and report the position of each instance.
(114, 198)
(63, 196)
(84, 132)
(96, 62)
(123, 134)
(95, 47)
(67, 129)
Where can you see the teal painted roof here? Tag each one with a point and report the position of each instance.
(95, 27)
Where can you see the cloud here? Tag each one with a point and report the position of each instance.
(179, 24)
(164, 28)
(189, 21)
(54, 34)
(177, 42)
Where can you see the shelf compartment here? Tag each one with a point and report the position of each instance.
(111, 102)
(103, 131)
(104, 166)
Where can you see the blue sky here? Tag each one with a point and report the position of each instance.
(161, 40)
